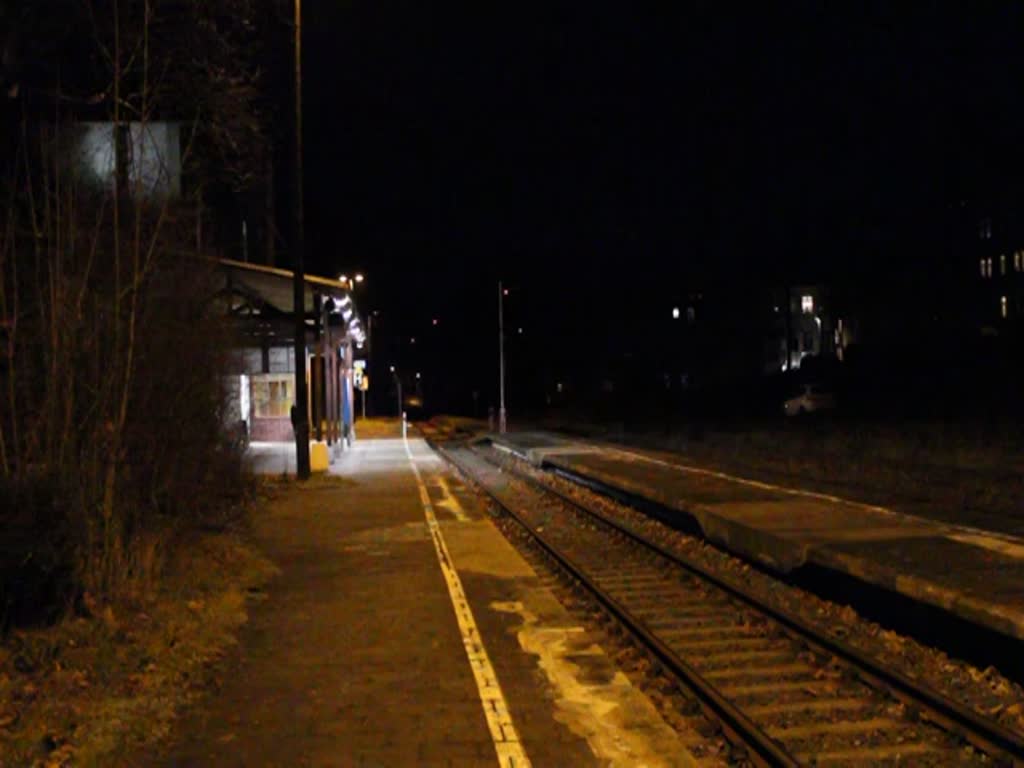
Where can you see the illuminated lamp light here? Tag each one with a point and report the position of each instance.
(675, 313)
(359, 277)
(347, 314)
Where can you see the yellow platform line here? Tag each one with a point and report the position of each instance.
(507, 746)
(451, 502)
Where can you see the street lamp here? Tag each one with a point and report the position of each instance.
(351, 281)
(299, 275)
(398, 386)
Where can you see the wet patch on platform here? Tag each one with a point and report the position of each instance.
(593, 698)
(370, 539)
(451, 500)
(570, 702)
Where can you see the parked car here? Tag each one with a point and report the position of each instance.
(813, 398)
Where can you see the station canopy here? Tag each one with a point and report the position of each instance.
(261, 301)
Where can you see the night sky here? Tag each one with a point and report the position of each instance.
(604, 161)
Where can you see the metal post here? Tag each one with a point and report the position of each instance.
(349, 396)
(334, 415)
(299, 287)
(501, 358)
(789, 328)
(339, 397)
(318, 370)
(333, 393)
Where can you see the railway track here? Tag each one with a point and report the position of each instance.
(782, 692)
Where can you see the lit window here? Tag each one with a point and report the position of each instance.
(272, 395)
(981, 263)
(1002, 264)
(1004, 309)
(1016, 261)
(807, 304)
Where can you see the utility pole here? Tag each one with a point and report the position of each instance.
(369, 352)
(789, 328)
(501, 359)
(398, 388)
(299, 287)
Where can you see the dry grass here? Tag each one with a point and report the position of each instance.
(933, 469)
(378, 428)
(85, 690)
(965, 473)
(460, 424)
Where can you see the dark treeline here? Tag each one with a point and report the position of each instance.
(124, 126)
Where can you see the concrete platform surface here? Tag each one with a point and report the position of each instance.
(404, 630)
(975, 574)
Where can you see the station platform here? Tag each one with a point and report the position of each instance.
(973, 574)
(404, 630)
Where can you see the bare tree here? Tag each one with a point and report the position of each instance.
(111, 349)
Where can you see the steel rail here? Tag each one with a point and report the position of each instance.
(953, 716)
(763, 749)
